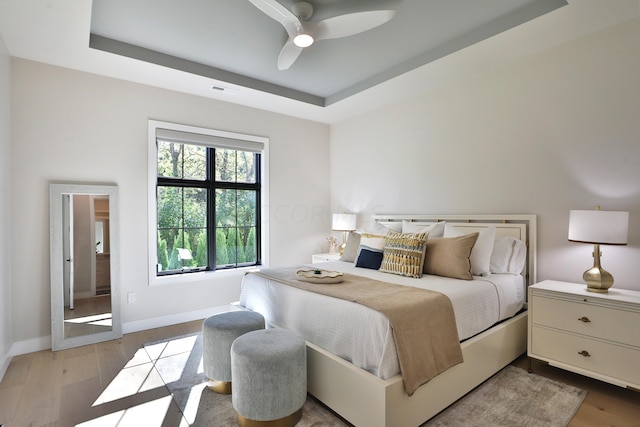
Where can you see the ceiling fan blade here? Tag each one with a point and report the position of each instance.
(281, 14)
(349, 24)
(288, 55)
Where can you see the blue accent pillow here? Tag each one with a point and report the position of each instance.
(369, 257)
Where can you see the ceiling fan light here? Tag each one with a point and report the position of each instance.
(303, 40)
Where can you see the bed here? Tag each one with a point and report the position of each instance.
(352, 361)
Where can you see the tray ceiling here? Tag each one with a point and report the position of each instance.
(234, 42)
(193, 46)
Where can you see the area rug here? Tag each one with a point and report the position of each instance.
(514, 397)
(217, 410)
(511, 397)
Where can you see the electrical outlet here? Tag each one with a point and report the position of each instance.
(131, 297)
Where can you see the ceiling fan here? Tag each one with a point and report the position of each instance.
(303, 32)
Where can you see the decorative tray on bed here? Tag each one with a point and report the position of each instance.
(316, 275)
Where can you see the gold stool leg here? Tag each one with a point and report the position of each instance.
(288, 421)
(222, 387)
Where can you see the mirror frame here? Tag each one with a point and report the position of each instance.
(58, 341)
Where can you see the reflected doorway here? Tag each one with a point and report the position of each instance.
(87, 265)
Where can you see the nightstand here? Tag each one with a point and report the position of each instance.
(324, 257)
(592, 334)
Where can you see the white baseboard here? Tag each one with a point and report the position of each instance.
(44, 343)
(6, 360)
(30, 346)
(173, 319)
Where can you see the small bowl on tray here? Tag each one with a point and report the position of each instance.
(319, 276)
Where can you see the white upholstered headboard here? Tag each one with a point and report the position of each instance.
(522, 227)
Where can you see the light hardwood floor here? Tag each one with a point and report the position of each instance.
(61, 388)
(605, 404)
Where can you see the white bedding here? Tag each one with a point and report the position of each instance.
(362, 335)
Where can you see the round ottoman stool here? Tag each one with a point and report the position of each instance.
(218, 333)
(269, 371)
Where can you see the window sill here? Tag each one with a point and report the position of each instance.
(201, 276)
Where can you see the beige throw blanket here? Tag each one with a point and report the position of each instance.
(423, 323)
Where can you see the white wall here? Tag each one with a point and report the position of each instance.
(70, 126)
(5, 179)
(557, 131)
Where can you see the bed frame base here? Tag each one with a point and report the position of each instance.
(363, 399)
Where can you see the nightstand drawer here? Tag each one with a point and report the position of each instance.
(582, 318)
(604, 358)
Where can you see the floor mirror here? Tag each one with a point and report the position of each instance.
(84, 229)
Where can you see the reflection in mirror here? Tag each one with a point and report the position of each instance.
(87, 288)
(84, 264)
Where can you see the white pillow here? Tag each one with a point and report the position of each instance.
(509, 255)
(377, 228)
(520, 260)
(481, 253)
(435, 230)
(374, 241)
(351, 250)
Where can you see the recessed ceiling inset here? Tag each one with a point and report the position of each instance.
(235, 42)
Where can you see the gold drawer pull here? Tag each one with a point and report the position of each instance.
(584, 353)
(584, 319)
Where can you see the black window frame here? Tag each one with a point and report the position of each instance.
(210, 184)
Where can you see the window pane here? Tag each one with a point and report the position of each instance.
(246, 171)
(235, 222)
(182, 221)
(195, 162)
(227, 247)
(200, 248)
(195, 208)
(247, 243)
(182, 248)
(246, 207)
(222, 256)
(169, 207)
(169, 159)
(174, 241)
(225, 165)
(188, 254)
(232, 245)
(235, 166)
(225, 208)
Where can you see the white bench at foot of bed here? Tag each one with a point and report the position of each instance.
(366, 400)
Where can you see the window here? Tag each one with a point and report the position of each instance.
(207, 199)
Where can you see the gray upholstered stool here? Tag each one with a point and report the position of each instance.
(269, 371)
(218, 333)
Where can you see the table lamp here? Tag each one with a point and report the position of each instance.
(344, 223)
(599, 228)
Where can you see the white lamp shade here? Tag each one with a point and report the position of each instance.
(599, 227)
(344, 222)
